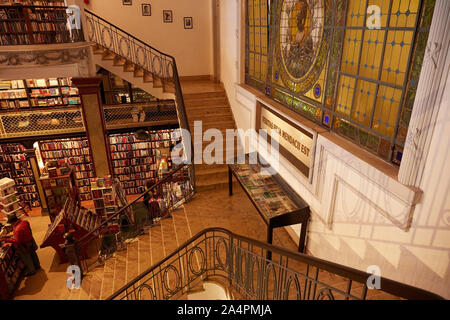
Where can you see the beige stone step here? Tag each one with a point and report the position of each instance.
(222, 110)
(212, 117)
(220, 101)
(211, 182)
(204, 95)
(214, 124)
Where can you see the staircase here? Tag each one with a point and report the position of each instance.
(156, 72)
(206, 101)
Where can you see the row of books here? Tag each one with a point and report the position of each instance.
(139, 146)
(133, 162)
(85, 190)
(83, 167)
(138, 176)
(66, 153)
(14, 39)
(14, 104)
(137, 153)
(12, 148)
(48, 26)
(19, 173)
(131, 138)
(27, 189)
(10, 26)
(13, 94)
(12, 157)
(48, 92)
(69, 91)
(79, 160)
(134, 190)
(83, 182)
(48, 82)
(34, 2)
(85, 196)
(137, 169)
(65, 144)
(14, 166)
(84, 175)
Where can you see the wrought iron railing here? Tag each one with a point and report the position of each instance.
(219, 253)
(162, 67)
(170, 192)
(25, 25)
(140, 114)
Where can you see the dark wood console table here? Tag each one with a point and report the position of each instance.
(277, 203)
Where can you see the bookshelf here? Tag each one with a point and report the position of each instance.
(37, 93)
(76, 152)
(107, 195)
(34, 22)
(11, 270)
(135, 161)
(51, 3)
(9, 200)
(58, 184)
(14, 165)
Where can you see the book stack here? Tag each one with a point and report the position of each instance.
(14, 165)
(9, 200)
(11, 269)
(77, 153)
(58, 182)
(135, 161)
(38, 93)
(107, 195)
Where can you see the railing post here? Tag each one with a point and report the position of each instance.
(71, 251)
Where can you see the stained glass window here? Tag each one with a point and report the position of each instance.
(257, 41)
(371, 71)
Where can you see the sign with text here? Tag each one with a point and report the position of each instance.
(295, 143)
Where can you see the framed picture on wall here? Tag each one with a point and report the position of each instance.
(167, 16)
(188, 23)
(146, 9)
(127, 2)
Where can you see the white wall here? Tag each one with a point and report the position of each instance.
(359, 212)
(192, 48)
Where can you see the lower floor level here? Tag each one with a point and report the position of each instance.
(212, 208)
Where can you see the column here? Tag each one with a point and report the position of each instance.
(429, 96)
(94, 122)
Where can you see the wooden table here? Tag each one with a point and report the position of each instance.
(276, 202)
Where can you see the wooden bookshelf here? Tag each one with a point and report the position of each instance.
(76, 152)
(57, 189)
(135, 161)
(107, 195)
(35, 22)
(11, 271)
(38, 93)
(14, 165)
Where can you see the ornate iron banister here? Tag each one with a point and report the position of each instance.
(161, 66)
(217, 252)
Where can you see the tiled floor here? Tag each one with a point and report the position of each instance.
(212, 208)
